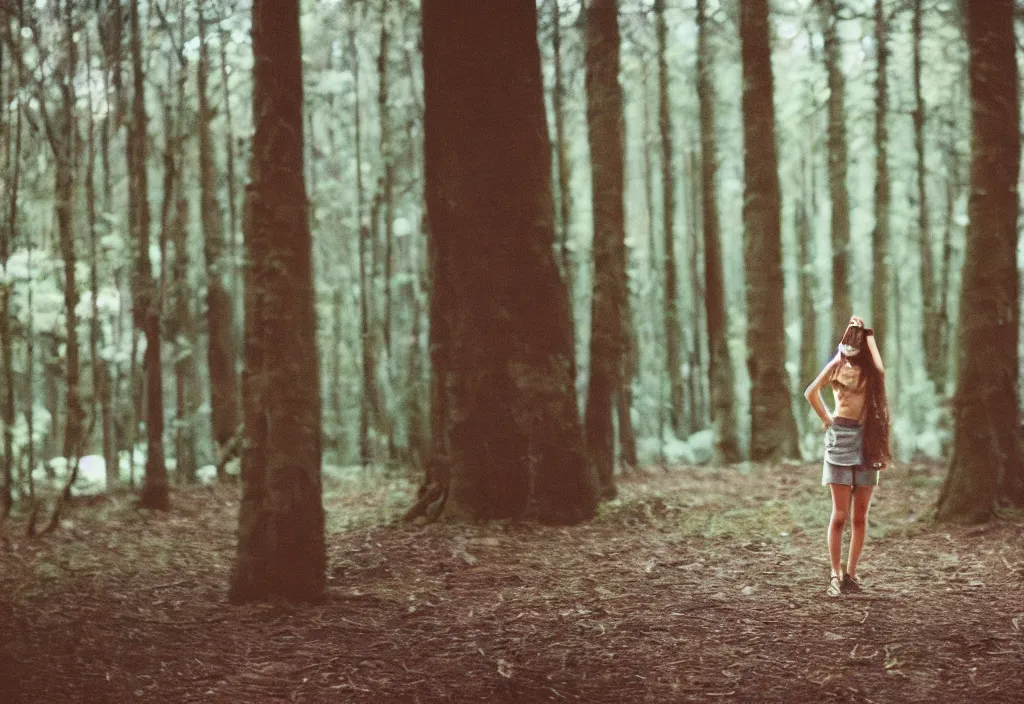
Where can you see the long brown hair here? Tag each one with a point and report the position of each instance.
(876, 424)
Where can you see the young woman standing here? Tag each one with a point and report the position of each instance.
(856, 443)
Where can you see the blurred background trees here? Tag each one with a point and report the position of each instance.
(127, 132)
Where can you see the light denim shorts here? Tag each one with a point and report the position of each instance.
(844, 459)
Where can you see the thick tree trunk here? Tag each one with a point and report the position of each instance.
(838, 163)
(281, 550)
(220, 353)
(986, 446)
(773, 433)
(516, 444)
(720, 373)
(608, 352)
(146, 311)
(673, 330)
(880, 235)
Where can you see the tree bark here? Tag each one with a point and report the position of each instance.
(987, 453)
(699, 413)
(880, 235)
(804, 206)
(838, 161)
(567, 260)
(673, 330)
(182, 327)
(608, 353)
(146, 302)
(7, 238)
(220, 353)
(930, 338)
(65, 151)
(773, 435)
(281, 550)
(720, 372)
(516, 444)
(943, 323)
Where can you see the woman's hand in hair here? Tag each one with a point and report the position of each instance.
(856, 321)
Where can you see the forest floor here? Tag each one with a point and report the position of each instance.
(697, 584)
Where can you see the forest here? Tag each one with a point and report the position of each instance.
(451, 350)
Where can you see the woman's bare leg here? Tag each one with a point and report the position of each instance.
(861, 504)
(840, 508)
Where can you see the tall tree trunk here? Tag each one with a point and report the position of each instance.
(773, 433)
(187, 388)
(146, 300)
(567, 260)
(804, 207)
(183, 327)
(930, 340)
(387, 178)
(220, 352)
(653, 269)
(7, 238)
(281, 550)
(838, 163)
(987, 453)
(673, 331)
(608, 353)
(229, 153)
(100, 370)
(720, 373)
(65, 151)
(384, 224)
(953, 186)
(880, 235)
(698, 406)
(367, 402)
(516, 442)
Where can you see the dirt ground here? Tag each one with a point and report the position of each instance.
(698, 584)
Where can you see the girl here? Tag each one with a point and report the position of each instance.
(856, 442)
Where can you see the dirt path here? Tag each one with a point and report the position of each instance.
(697, 585)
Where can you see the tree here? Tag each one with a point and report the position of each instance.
(931, 337)
(515, 442)
(987, 455)
(723, 411)
(673, 331)
(12, 174)
(773, 434)
(608, 321)
(220, 352)
(838, 161)
(281, 551)
(146, 302)
(880, 235)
